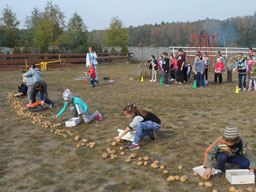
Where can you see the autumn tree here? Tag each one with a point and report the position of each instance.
(8, 28)
(46, 26)
(76, 35)
(116, 35)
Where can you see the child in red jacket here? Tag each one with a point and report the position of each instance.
(218, 71)
(92, 75)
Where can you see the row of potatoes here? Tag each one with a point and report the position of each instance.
(41, 120)
(155, 164)
(110, 153)
(21, 111)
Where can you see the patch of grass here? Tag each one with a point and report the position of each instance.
(33, 159)
(42, 180)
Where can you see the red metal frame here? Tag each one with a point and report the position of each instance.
(213, 37)
(194, 36)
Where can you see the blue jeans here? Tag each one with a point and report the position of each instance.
(92, 81)
(238, 159)
(143, 129)
(200, 79)
(96, 72)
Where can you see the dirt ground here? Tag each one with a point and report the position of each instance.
(34, 159)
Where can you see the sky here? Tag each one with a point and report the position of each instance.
(97, 14)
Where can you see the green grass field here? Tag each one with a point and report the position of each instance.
(34, 159)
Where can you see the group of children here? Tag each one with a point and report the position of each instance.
(36, 87)
(244, 66)
(177, 68)
(228, 148)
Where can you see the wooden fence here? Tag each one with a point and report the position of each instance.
(22, 59)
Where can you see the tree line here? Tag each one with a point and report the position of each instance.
(233, 32)
(47, 28)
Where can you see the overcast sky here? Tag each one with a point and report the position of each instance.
(97, 14)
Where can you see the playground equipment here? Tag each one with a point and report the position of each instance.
(204, 43)
(44, 64)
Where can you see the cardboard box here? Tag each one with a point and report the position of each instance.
(73, 122)
(79, 109)
(240, 176)
(200, 170)
(129, 136)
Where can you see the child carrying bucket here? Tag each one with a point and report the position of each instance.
(72, 101)
(145, 123)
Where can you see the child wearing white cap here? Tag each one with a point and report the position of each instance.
(72, 101)
(229, 148)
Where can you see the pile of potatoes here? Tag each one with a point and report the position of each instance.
(141, 161)
(40, 120)
(20, 110)
(233, 189)
(208, 184)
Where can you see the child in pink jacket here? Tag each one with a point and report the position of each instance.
(218, 71)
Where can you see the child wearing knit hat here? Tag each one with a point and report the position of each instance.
(229, 148)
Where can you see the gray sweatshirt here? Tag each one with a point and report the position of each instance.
(199, 66)
(32, 76)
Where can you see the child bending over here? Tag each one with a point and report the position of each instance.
(145, 123)
(230, 148)
(72, 101)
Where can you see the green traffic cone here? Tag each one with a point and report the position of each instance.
(195, 85)
(161, 81)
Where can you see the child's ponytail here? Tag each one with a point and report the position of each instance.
(133, 109)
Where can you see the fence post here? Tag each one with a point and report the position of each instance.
(173, 50)
(157, 52)
(142, 53)
(226, 52)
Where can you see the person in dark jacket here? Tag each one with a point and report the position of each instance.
(166, 67)
(41, 87)
(22, 88)
(181, 63)
(241, 69)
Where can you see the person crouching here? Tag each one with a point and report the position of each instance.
(230, 148)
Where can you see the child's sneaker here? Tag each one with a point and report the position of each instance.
(244, 89)
(151, 81)
(240, 89)
(218, 175)
(132, 147)
(99, 117)
(152, 135)
(51, 105)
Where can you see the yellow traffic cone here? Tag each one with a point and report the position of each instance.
(237, 89)
(142, 80)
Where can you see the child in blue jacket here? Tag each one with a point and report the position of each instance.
(72, 101)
